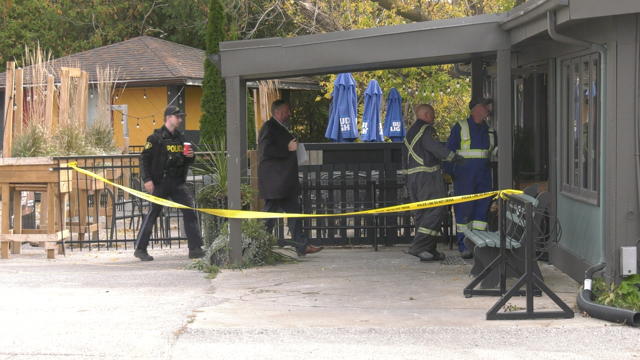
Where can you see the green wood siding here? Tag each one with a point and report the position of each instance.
(580, 228)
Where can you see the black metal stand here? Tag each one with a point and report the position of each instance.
(529, 279)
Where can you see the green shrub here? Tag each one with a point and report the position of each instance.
(624, 296)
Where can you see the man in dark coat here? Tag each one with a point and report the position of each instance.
(278, 174)
(422, 155)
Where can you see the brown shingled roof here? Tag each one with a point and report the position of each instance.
(141, 59)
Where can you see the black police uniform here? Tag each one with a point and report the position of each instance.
(421, 161)
(163, 162)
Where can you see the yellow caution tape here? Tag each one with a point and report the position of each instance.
(244, 214)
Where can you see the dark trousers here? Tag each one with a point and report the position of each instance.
(288, 205)
(424, 186)
(176, 189)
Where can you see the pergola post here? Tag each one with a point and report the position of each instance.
(477, 77)
(236, 156)
(503, 112)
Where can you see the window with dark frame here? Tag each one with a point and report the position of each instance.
(580, 117)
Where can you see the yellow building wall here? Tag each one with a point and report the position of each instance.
(138, 106)
(193, 94)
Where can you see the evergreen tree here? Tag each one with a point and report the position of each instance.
(213, 122)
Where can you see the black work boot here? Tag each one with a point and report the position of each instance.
(143, 255)
(431, 256)
(196, 253)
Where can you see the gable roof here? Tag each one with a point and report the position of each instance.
(143, 60)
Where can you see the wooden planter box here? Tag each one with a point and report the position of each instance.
(32, 171)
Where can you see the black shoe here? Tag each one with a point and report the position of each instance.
(143, 255)
(466, 254)
(196, 253)
(427, 256)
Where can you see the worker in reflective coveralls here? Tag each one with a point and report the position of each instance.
(476, 141)
(422, 155)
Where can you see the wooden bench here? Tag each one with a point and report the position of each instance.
(485, 245)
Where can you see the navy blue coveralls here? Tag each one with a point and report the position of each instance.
(476, 143)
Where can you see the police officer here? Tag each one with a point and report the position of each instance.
(421, 158)
(163, 169)
(476, 141)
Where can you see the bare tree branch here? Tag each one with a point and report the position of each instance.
(318, 18)
(416, 14)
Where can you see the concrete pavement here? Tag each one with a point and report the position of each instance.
(337, 304)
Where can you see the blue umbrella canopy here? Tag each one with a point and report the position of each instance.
(343, 126)
(371, 121)
(393, 121)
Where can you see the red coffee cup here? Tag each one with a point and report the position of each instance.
(186, 147)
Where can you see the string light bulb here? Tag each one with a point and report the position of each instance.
(145, 93)
(433, 93)
(154, 119)
(168, 91)
(458, 84)
(467, 79)
(448, 88)
(441, 92)
(91, 93)
(116, 96)
(424, 93)
(180, 101)
(15, 106)
(137, 124)
(122, 120)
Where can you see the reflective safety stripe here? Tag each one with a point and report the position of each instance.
(462, 227)
(413, 143)
(450, 157)
(429, 231)
(465, 138)
(418, 169)
(474, 153)
(479, 225)
(465, 143)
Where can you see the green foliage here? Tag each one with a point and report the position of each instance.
(624, 296)
(213, 122)
(35, 140)
(100, 138)
(258, 249)
(310, 117)
(213, 164)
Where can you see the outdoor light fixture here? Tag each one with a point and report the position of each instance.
(145, 93)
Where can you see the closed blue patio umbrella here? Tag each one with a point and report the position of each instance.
(371, 121)
(343, 116)
(393, 121)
